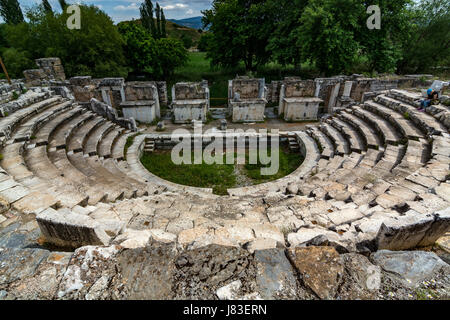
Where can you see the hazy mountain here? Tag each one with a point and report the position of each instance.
(195, 22)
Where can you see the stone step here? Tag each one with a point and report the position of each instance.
(119, 145)
(95, 192)
(383, 127)
(42, 136)
(102, 178)
(68, 192)
(92, 143)
(10, 123)
(340, 143)
(325, 144)
(77, 141)
(407, 128)
(356, 142)
(65, 129)
(422, 120)
(28, 129)
(367, 132)
(106, 143)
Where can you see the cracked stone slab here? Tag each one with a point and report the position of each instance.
(412, 267)
(321, 269)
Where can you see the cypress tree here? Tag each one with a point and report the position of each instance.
(11, 12)
(47, 6)
(63, 4)
(148, 22)
(158, 21)
(163, 25)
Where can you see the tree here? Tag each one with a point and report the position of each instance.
(17, 61)
(427, 44)
(96, 49)
(204, 41)
(283, 42)
(145, 55)
(382, 47)
(11, 12)
(63, 4)
(327, 34)
(140, 48)
(241, 30)
(171, 55)
(158, 21)
(47, 6)
(163, 25)
(147, 19)
(187, 41)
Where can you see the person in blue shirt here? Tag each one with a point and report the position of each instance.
(432, 95)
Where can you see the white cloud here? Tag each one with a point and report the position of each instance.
(175, 6)
(130, 7)
(190, 11)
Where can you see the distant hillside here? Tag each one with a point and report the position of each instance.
(194, 23)
(176, 31)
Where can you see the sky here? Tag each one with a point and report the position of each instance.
(121, 10)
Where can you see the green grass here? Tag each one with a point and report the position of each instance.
(289, 162)
(216, 176)
(219, 177)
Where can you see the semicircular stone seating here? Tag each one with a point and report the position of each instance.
(375, 176)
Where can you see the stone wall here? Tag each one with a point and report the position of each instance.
(109, 113)
(299, 88)
(190, 90)
(52, 67)
(49, 69)
(190, 101)
(297, 101)
(247, 89)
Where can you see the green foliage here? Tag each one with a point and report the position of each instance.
(163, 25)
(47, 7)
(62, 4)
(157, 28)
(11, 12)
(16, 61)
(148, 22)
(204, 42)
(187, 41)
(158, 21)
(140, 49)
(283, 43)
(95, 49)
(331, 35)
(241, 31)
(156, 58)
(15, 95)
(427, 43)
(171, 55)
(327, 34)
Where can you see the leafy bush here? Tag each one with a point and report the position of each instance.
(156, 58)
(95, 49)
